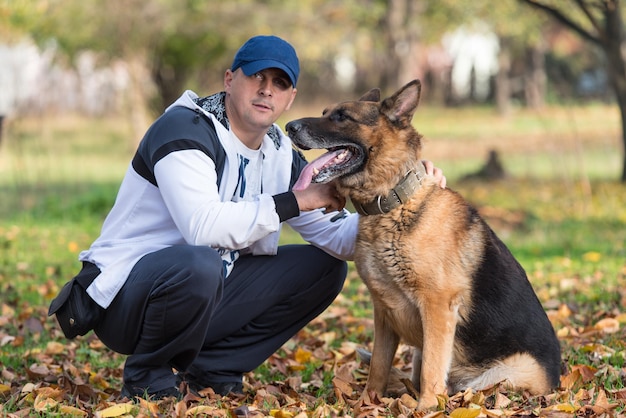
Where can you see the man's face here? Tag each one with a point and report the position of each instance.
(257, 101)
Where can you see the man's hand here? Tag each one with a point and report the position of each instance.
(317, 196)
(437, 173)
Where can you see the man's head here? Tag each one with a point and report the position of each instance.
(262, 52)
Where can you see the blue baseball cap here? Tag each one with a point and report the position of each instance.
(261, 52)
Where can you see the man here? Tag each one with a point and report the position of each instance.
(188, 267)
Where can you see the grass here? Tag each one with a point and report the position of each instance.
(561, 212)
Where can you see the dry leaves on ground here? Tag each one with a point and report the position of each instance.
(317, 374)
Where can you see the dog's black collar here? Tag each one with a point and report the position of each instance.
(396, 196)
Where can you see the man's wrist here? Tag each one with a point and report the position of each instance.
(286, 206)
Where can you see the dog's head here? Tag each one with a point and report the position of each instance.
(366, 139)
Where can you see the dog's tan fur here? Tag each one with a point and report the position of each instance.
(426, 261)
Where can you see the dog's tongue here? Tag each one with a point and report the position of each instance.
(306, 176)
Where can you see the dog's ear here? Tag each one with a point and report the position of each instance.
(371, 96)
(401, 106)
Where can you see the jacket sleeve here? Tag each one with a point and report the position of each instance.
(334, 232)
(187, 181)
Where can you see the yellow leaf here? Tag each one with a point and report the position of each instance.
(565, 407)
(563, 332)
(442, 399)
(71, 411)
(115, 410)
(279, 413)
(98, 381)
(4, 388)
(592, 256)
(302, 356)
(54, 347)
(203, 409)
(151, 407)
(465, 413)
(598, 349)
(564, 311)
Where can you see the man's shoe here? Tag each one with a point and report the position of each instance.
(220, 388)
(133, 392)
(225, 388)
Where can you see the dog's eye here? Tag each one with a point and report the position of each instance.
(339, 117)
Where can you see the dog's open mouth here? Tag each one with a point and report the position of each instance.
(336, 162)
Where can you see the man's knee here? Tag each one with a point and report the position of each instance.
(338, 274)
(334, 272)
(199, 269)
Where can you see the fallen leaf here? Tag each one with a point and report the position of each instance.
(342, 386)
(54, 347)
(151, 407)
(607, 325)
(205, 410)
(43, 403)
(302, 356)
(115, 410)
(71, 411)
(587, 373)
(502, 401)
(564, 407)
(279, 413)
(465, 413)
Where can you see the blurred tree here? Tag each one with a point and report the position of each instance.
(410, 45)
(600, 23)
(172, 44)
(159, 42)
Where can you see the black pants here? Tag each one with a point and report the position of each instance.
(176, 310)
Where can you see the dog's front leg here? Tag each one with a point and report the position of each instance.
(386, 342)
(439, 319)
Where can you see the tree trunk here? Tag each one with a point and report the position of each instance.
(402, 42)
(613, 45)
(609, 37)
(137, 101)
(503, 80)
(535, 79)
(620, 93)
(169, 81)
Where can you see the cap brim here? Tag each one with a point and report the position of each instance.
(255, 66)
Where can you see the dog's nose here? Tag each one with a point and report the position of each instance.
(293, 127)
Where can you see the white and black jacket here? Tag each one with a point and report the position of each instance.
(178, 190)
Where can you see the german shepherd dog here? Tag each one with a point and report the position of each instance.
(439, 277)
